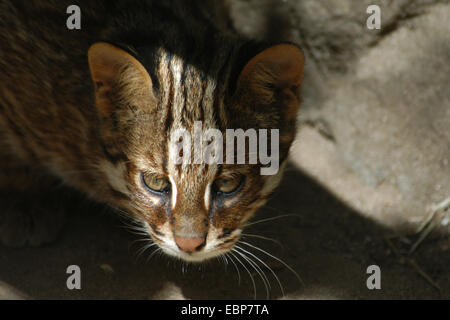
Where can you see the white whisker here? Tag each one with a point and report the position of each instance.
(153, 253)
(270, 219)
(278, 259)
(269, 268)
(258, 270)
(224, 257)
(237, 269)
(262, 237)
(249, 273)
(144, 248)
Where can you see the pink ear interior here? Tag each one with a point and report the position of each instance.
(110, 66)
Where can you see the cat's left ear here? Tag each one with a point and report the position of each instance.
(273, 76)
(118, 78)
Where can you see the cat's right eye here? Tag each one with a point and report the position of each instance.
(156, 183)
(228, 186)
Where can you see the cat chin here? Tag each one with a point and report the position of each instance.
(196, 257)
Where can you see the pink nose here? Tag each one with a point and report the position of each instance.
(189, 244)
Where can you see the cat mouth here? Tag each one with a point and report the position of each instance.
(213, 247)
(217, 242)
(194, 257)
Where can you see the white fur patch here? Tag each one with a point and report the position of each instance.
(174, 192)
(208, 196)
(210, 251)
(273, 181)
(115, 175)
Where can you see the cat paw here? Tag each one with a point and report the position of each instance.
(29, 222)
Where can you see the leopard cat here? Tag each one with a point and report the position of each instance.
(94, 108)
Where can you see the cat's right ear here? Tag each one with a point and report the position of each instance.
(118, 77)
(273, 77)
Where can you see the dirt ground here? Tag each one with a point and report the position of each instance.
(329, 244)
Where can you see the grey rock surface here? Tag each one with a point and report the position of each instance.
(382, 96)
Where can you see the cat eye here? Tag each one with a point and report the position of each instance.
(156, 183)
(228, 186)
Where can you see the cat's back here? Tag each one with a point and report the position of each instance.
(46, 97)
(40, 54)
(42, 61)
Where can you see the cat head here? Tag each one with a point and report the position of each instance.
(193, 209)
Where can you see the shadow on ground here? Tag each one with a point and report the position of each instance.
(326, 242)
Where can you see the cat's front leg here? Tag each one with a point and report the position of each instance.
(31, 208)
(29, 219)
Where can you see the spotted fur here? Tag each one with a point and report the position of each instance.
(100, 137)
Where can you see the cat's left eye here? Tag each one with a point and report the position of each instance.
(227, 186)
(156, 183)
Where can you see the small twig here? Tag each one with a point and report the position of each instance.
(428, 225)
(423, 274)
(414, 265)
(422, 237)
(394, 248)
(426, 221)
(442, 205)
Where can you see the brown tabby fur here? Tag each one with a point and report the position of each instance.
(58, 123)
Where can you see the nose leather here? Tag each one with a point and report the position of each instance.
(189, 244)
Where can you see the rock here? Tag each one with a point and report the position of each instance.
(382, 95)
(9, 293)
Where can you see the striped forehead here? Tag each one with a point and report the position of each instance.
(188, 95)
(192, 179)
